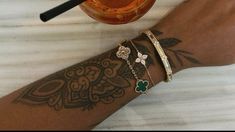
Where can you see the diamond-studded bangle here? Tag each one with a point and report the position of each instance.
(161, 53)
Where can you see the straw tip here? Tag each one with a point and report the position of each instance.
(43, 17)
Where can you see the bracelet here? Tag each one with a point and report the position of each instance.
(141, 59)
(142, 86)
(161, 53)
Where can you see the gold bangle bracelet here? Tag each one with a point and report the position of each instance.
(161, 53)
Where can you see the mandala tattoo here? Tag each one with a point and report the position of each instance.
(98, 80)
(101, 79)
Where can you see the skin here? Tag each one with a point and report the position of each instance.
(206, 28)
(196, 34)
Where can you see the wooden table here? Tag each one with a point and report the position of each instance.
(200, 98)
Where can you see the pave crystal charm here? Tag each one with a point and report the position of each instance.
(142, 86)
(141, 58)
(123, 52)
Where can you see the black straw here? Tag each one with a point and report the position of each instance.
(48, 15)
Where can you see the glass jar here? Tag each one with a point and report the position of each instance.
(116, 11)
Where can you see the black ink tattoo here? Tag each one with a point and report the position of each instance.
(102, 79)
(98, 80)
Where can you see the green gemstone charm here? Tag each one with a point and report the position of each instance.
(142, 86)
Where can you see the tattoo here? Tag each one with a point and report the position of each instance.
(99, 80)
(167, 44)
(102, 79)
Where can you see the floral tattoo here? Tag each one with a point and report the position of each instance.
(168, 44)
(98, 80)
(102, 79)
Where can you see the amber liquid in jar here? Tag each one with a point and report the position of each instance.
(116, 11)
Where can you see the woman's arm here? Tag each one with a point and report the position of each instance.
(197, 33)
(81, 96)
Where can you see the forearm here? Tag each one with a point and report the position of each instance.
(79, 97)
(82, 96)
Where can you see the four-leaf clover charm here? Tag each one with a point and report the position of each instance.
(123, 52)
(142, 86)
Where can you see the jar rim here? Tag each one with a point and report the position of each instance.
(102, 9)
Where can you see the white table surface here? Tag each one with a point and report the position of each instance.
(202, 98)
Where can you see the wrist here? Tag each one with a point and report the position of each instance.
(171, 58)
(178, 49)
(157, 68)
